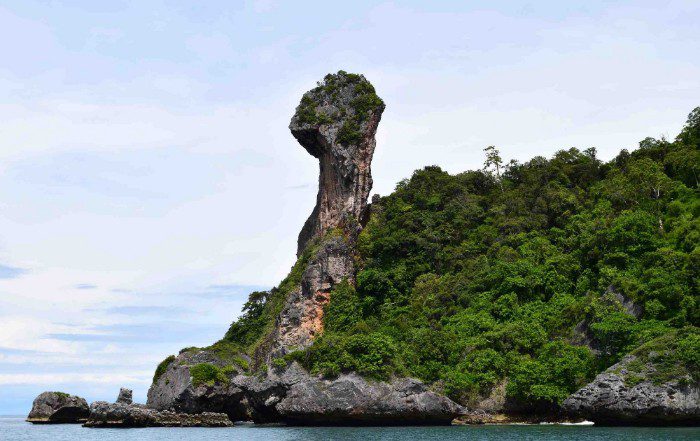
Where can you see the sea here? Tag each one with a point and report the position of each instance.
(16, 429)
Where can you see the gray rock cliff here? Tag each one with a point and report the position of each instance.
(336, 122)
(291, 395)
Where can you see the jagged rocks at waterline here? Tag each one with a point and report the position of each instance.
(624, 394)
(351, 399)
(58, 408)
(105, 415)
(293, 396)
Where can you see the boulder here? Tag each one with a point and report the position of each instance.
(125, 396)
(626, 394)
(104, 414)
(58, 408)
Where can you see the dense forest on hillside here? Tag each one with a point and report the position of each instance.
(541, 273)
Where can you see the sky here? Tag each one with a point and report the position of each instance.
(149, 182)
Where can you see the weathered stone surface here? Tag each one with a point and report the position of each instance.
(612, 399)
(125, 396)
(58, 408)
(293, 396)
(103, 414)
(174, 389)
(336, 122)
(351, 399)
(301, 319)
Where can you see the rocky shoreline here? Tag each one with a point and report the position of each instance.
(291, 395)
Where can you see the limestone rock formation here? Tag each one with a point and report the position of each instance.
(624, 394)
(293, 396)
(351, 399)
(175, 390)
(58, 408)
(336, 123)
(125, 396)
(105, 415)
(301, 318)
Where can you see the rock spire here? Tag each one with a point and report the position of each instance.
(336, 122)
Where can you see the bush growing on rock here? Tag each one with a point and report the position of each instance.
(207, 373)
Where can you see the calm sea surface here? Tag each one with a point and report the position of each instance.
(14, 428)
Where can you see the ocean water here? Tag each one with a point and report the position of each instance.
(16, 429)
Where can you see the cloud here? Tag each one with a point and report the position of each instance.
(133, 377)
(136, 310)
(8, 272)
(85, 286)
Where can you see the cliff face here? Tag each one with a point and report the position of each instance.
(335, 122)
(301, 319)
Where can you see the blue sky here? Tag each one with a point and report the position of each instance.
(148, 180)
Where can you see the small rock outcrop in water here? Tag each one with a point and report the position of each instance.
(627, 393)
(58, 408)
(125, 396)
(293, 396)
(104, 415)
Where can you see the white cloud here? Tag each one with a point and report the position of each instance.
(132, 378)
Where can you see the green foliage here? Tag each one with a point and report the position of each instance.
(674, 355)
(349, 133)
(343, 312)
(279, 363)
(558, 370)
(473, 280)
(162, 367)
(311, 109)
(209, 374)
(61, 395)
(372, 355)
(261, 309)
(481, 277)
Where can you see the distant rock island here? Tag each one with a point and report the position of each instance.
(558, 289)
